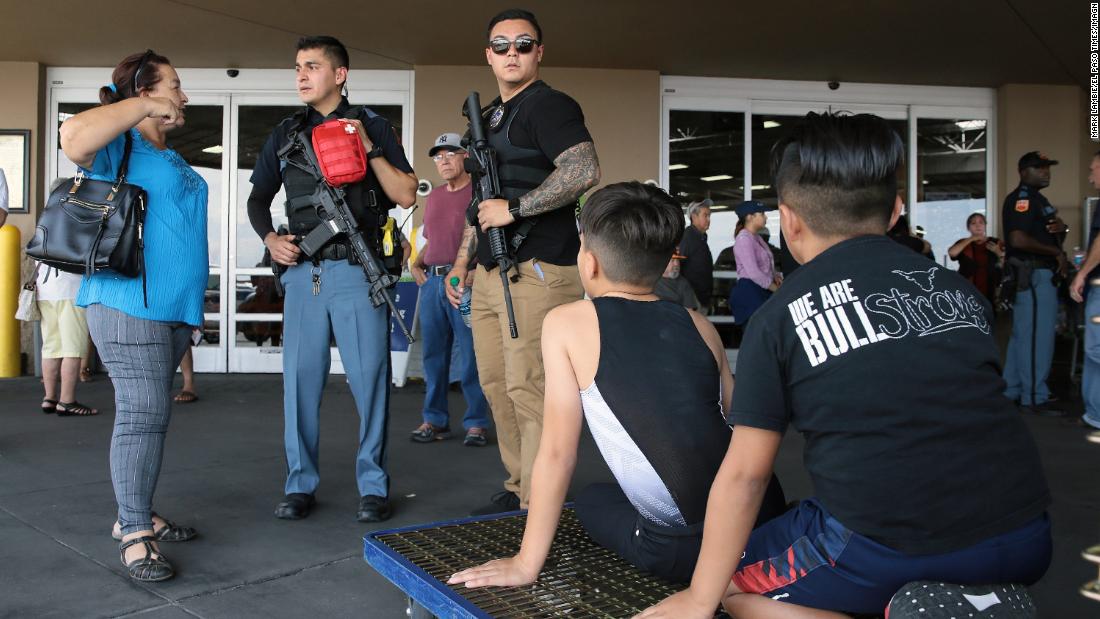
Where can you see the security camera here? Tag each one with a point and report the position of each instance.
(232, 72)
(423, 187)
(833, 85)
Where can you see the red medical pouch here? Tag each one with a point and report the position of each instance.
(340, 152)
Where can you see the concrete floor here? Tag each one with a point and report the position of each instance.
(223, 473)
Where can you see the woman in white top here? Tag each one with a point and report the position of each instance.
(64, 341)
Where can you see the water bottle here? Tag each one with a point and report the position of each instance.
(464, 304)
(1078, 257)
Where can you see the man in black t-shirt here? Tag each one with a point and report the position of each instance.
(884, 362)
(546, 161)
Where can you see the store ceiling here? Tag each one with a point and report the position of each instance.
(948, 42)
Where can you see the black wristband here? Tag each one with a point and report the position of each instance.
(374, 152)
(513, 208)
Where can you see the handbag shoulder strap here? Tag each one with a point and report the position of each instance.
(125, 165)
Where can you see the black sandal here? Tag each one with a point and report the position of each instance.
(147, 568)
(49, 406)
(75, 409)
(170, 532)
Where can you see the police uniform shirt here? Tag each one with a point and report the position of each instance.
(1027, 210)
(267, 176)
(886, 364)
(550, 122)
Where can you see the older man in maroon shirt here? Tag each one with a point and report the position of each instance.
(441, 325)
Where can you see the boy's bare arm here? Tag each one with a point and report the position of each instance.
(718, 349)
(553, 467)
(732, 506)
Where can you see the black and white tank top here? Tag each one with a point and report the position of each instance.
(655, 410)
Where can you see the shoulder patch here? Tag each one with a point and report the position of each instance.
(1022, 205)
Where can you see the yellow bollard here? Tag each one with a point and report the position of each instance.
(9, 300)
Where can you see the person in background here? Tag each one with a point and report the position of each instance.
(979, 257)
(3, 197)
(187, 394)
(441, 325)
(1082, 291)
(64, 340)
(697, 266)
(756, 275)
(1033, 234)
(766, 235)
(901, 234)
(672, 287)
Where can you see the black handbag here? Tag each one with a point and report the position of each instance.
(89, 225)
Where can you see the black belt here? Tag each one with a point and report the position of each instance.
(337, 251)
(439, 270)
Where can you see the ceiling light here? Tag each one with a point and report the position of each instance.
(967, 125)
(770, 124)
(677, 166)
(716, 177)
(761, 187)
(214, 150)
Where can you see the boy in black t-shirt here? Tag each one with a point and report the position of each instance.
(884, 362)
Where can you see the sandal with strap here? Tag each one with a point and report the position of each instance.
(170, 532)
(75, 409)
(49, 406)
(147, 568)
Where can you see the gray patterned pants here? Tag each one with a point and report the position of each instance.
(141, 357)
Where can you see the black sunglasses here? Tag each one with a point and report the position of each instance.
(524, 45)
(141, 65)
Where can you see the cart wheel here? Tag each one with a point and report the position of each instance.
(416, 611)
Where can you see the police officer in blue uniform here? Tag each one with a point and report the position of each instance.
(327, 295)
(1033, 234)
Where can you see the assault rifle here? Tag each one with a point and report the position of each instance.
(336, 219)
(482, 166)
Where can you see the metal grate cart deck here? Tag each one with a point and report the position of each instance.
(580, 578)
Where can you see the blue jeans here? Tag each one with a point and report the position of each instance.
(1031, 347)
(341, 308)
(441, 327)
(1090, 375)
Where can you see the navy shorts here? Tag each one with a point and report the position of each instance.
(809, 558)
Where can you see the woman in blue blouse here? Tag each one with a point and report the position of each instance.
(141, 342)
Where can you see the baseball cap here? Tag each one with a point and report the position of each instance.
(448, 141)
(748, 207)
(1035, 159)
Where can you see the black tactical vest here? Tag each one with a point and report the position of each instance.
(368, 202)
(520, 170)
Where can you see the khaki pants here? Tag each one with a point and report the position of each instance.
(511, 369)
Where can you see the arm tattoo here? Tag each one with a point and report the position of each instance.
(576, 171)
(467, 248)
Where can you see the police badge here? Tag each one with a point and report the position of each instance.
(496, 117)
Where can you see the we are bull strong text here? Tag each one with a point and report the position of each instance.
(836, 320)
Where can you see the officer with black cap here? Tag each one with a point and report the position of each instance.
(1033, 234)
(327, 295)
